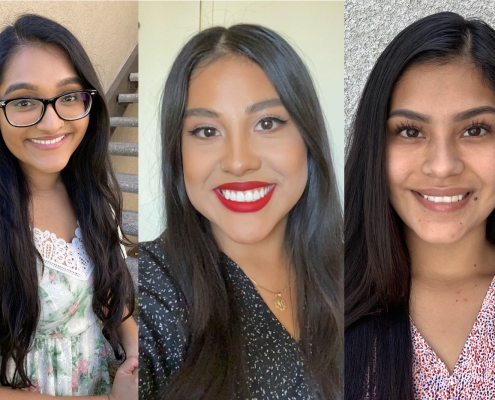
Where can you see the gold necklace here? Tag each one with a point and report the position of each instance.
(279, 301)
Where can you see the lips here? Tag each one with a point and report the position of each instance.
(443, 200)
(244, 197)
(49, 142)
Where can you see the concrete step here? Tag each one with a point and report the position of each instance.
(132, 264)
(124, 121)
(127, 98)
(134, 76)
(123, 149)
(130, 222)
(128, 182)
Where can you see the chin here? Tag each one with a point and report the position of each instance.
(246, 237)
(441, 235)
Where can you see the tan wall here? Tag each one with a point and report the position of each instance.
(108, 30)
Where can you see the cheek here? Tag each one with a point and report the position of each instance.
(12, 138)
(197, 165)
(399, 167)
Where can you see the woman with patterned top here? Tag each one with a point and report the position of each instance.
(240, 296)
(420, 218)
(64, 281)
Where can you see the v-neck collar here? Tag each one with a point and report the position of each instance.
(486, 305)
(241, 281)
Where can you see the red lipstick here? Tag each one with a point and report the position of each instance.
(245, 206)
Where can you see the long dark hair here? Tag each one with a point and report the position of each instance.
(93, 190)
(378, 350)
(213, 365)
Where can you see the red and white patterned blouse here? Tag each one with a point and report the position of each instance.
(474, 373)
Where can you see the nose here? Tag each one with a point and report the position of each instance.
(443, 159)
(240, 155)
(51, 122)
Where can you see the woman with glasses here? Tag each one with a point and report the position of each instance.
(64, 281)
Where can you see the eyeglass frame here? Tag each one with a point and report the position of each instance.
(46, 102)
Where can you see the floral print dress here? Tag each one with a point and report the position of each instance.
(68, 356)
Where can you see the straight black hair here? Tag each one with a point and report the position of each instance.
(94, 192)
(213, 366)
(378, 349)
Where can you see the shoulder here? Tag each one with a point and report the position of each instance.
(160, 298)
(154, 272)
(163, 333)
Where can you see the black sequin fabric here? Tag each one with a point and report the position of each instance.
(274, 369)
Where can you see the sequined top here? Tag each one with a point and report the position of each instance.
(474, 373)
(274, 368)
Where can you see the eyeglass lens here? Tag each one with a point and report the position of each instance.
(71, 106)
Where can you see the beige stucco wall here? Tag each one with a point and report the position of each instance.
(108, 30)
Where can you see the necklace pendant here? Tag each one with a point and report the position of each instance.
(279, 302)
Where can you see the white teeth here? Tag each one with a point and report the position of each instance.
(246, 196)
(47, 142)
(445, 199)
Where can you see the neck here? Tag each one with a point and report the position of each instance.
(453, 263)
(42, 183)
(267, 256)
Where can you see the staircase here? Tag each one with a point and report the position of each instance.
(122, 99)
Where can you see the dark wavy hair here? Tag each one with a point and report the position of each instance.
(93, 191)
(378, 349)
(213, 366)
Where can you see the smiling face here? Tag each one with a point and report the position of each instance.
(42, 72)
(244, 159)
(441, 152)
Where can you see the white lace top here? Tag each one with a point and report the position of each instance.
(69, 258)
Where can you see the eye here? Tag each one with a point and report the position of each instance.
(204, 132)
(68, 98)
(24, 103)
(410, 132)
(269, 124)
(476, 131)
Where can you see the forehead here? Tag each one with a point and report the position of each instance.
(40, 65)
(230, 80)
(446, 88)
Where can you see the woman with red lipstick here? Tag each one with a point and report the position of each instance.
(64, 282)
(240, 296)
(420, 218)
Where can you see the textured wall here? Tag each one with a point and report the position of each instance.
(371, 24)
(108, 31)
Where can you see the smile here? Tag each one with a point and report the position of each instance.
(49, 144)
(245, 197)
(445, 199)
(46, 142)
(444, 204)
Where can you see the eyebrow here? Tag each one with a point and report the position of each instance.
(262, 105)
(474, 112)
(462, 116)
(204, 112)
(29, 86)
(410, 114)
(201, 112)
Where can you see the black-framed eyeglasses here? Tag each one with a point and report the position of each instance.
(28, 111)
